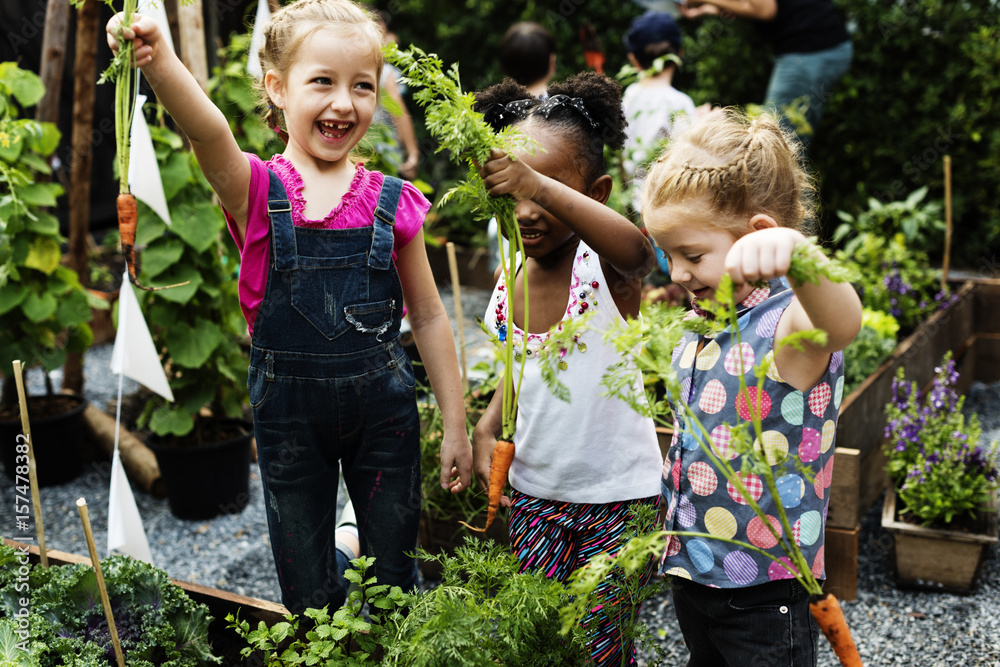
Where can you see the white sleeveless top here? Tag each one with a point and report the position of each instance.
(594, 449)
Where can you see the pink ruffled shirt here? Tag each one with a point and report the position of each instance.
(356, 209)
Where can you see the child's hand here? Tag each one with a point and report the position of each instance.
(143, 33)
(482, 451)
(763, 254)
(456, 463)
(505, 176)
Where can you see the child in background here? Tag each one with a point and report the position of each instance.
(653, 107)
(579, 466)
(729, 195)
(330, 254)
(528, 55)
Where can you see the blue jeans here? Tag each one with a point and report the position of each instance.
(308, 418)
(768, 625)
(810, 75)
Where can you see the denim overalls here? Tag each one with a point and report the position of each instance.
(329, 383)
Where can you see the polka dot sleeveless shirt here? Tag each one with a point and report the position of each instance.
(798, 427)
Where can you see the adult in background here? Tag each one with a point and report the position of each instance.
(812, 49)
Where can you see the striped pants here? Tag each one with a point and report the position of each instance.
(557, 537)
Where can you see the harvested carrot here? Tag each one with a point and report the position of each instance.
(503, 456)
(128, 216)
(830, 619)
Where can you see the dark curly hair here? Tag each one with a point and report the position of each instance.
(586, 107)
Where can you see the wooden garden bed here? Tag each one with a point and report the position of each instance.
(220, 603)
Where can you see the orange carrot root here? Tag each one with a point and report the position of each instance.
(128, 216)
(830, 619)
(503, 456)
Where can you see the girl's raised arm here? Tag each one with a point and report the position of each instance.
(613, 237)
(219, 156)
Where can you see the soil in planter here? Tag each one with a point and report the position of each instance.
(56, 437)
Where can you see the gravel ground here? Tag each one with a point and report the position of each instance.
(232, 552)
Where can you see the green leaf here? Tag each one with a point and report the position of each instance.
(175, 174)
(192, 345)
(149, 226)
(80, 338)
(38, 307)
(177, 274)
(73, 309)
(160, 256)
(168, 420)
(40, 194)
(43, 254)
(25, 86)
(36, 163)
(11, 296)
(199, 225)
(44, 139)
(44, 223)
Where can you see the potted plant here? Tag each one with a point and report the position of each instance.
(941, 507)
(44, 310)
(157, 623)
(201, 440)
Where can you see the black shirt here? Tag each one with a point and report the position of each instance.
(803, 26)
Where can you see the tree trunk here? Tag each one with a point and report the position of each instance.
(85, 78)
(53, 55)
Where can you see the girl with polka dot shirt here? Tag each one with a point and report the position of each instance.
(729, 196)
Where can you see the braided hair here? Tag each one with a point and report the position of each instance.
(291, 25)
(743, 165)
(586, 108)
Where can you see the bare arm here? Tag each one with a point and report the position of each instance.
(832, 307)
(613, 237)
(219, 156)
(759, 10)
(433, 335)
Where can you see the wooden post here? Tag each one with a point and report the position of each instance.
(53, 55)
(946, 263)
(192, 28)
(109, 615)
(82, 142)
(36, 501)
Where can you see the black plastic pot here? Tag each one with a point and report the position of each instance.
(56, 440)
(206, 480)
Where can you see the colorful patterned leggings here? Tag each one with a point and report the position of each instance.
(558, 537)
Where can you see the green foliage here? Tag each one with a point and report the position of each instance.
(934, 458)
(40, 300)
(345, 638)
(232, 89)
(921, 225)
(896, 279)
(158, 624)
(485, 613)
(874, 343)
(929, 68)
(198, 326)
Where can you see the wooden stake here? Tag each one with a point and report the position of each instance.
(947, 223)
(81, 505)
(457, 291)
(36, 502)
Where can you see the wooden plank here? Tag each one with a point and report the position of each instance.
(858, 480)
(987, 368)
(218, 601)
(988, 307)
(841, 549)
